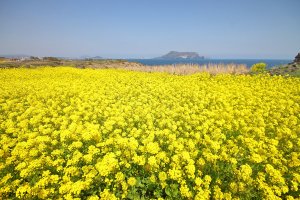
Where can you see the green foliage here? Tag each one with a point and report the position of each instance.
(172, 191)
(259, 67)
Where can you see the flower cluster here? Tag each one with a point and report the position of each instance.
(70, 133)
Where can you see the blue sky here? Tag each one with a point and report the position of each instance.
(149, 28)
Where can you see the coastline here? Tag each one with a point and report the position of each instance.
(248, 62)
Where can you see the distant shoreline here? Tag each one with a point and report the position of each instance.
(157, 61)
(248, 62)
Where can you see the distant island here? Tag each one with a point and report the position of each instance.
(181, 55)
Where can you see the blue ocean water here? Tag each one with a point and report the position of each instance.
(249, 62)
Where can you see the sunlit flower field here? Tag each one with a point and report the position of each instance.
(69, 133)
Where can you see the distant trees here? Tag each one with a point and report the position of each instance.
(51, 59)
(34, 58)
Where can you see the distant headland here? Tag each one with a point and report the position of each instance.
(181, 55)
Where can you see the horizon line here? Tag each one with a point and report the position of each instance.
(17, 55)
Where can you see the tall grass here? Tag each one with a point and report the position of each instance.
(181, 69)
(184, 69)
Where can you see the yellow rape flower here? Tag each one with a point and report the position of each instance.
(131, 181)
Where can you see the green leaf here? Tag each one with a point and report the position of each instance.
(168, 191)
(174, 190)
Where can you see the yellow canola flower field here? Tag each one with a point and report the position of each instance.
(69, 133)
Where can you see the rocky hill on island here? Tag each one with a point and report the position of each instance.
(292, 69)
(297, 59)
(181, 55)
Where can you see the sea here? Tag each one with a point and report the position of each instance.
(248, 62)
